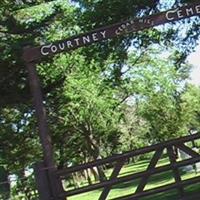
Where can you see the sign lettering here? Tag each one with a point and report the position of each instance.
(133, 25)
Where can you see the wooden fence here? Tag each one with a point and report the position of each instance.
(118, 161)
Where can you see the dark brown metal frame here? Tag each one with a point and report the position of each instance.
(32, 56)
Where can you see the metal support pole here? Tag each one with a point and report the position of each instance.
(42, 182)
(45, 139)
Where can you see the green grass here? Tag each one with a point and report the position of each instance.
(154, 181)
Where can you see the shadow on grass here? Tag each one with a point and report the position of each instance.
(153, 180)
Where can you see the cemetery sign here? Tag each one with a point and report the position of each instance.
(132, 25)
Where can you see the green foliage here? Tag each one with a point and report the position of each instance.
(16, 130)
(28, 26)
(101, 99)
(159, 85)
(87, 111)
(190, 107)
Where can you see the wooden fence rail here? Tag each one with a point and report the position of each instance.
(118, 161)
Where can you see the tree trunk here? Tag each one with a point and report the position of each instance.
(87, 173)
(93, 149)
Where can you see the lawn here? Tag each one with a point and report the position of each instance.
(155, 181)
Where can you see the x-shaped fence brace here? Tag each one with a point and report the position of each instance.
(144, 176)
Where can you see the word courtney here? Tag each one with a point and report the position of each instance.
(73, 43)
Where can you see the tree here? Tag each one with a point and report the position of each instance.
(133, 128)
(19, 144)
(86, 115)
(23, 24)
(84, 91)
(190, 107)
(157, 85)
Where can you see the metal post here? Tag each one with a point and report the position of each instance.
(41, 115)
(45, 139)
(42, 181)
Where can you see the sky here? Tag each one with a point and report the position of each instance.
(194, 59)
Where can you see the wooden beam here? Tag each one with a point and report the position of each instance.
(113, 176)
(187, 150)
(151, 166)
(177, 177)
